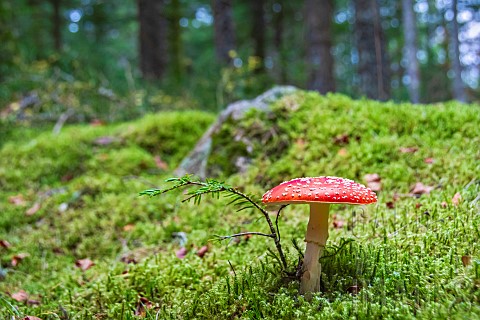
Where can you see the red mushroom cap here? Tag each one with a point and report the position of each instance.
(320, 189)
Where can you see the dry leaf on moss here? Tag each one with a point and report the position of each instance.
(419, 189)
(408, 149)
(34, 209)
(456, 199)
(17, 258)
(202, 251)
(17, 200)
(84, 264)
(20, 296)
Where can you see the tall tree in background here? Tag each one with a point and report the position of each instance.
(258, 31)
(319, 44)
(153, 38)
(175, 41)
(373, 65)
(56, 24)
(458, 85)
(278, 25)
(410, 50)
(224, 29)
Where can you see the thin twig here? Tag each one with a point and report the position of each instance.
(276, 221)
(245, 234)
(220, 188)
(270, 225)
(263, 211)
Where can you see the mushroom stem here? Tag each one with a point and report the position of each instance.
(316, 238)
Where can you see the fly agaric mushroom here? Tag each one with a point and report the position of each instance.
(319, 193)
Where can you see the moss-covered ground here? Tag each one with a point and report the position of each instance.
(81, 244)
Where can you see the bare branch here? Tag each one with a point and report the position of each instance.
(215, 188)
(269, 235)
(277, 219)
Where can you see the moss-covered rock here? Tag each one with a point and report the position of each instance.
(306, 134)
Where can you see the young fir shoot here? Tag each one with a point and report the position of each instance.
(239, 199)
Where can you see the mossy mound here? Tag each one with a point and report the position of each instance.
(409, 256)
(309, 135)
(122, 149)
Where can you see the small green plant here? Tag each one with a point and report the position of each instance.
(238, 199)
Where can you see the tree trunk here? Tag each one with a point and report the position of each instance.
(224, 30)
(175, 42)
(410, 50)
(153, 38)
(57, 25)
(278, 22)
(258, 32)
(373, 65)
(458, 85)
(319, 45)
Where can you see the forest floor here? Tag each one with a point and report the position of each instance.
(77, 242)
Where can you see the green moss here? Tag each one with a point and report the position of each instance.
(131, 160)
(408, 262)
(171, 135)
(48, 158)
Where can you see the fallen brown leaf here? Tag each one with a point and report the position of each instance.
(160, 163)
(33, 302)
(418, 205)
(456, 199)
(419, 189)
(128, 258)
(20, 296)
(142, 305)
(374, 181)
(17, 200)
(17, 258)
(181, 253)
(34, 209)
(372, 177)
(374, 186)
(5, 244)
(84, 264)
(429, 160)
(341, 139)
(408, 149)
(466, 260)
(390, 204)
(202, 251)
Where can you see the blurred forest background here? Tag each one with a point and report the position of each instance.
(98, 60)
